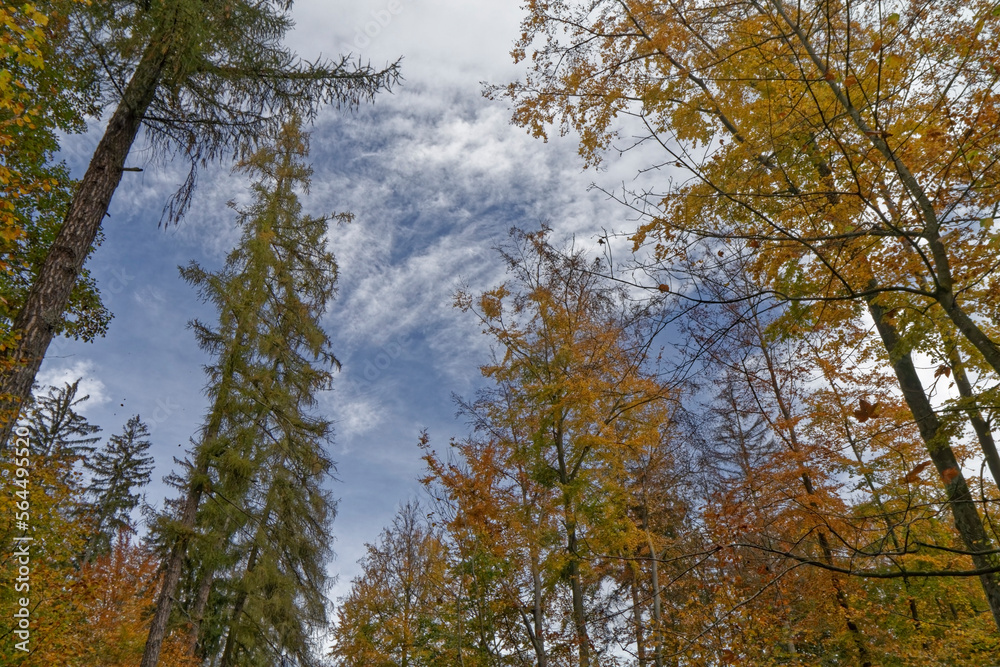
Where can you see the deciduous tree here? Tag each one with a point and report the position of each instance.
(847, 145)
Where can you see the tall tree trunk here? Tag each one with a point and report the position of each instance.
(640, 635)
(975, 415)
(579, 612)
(205, 589)
(49, 295)
(538, 638)
(198, 610)
(657, 605)
(172, 572)
(196, 487)
(654, 571)
(576, 585)
(960, 500)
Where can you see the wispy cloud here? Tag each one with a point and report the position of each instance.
(435, 175)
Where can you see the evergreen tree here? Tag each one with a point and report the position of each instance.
(207, 78)
(260, 458)
(118, 471)
(58, 433)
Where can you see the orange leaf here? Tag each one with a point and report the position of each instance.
(914, 474)
(949, 474)
(867, 411)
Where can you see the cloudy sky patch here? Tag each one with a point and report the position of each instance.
(435, 176)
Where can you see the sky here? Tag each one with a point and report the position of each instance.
(435, 175)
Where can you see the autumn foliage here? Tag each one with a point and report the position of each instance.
(763, 498)
(765, 439)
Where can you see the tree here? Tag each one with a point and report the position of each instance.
(841, 146)
(56, 429)
(811, 459)
(206, 79)
(396, 607)
(100, 612)
(117, 472)
(260, 456)
(574, 408)
(43, 91)
(43, 506)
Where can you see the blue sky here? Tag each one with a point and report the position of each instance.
(435, 175)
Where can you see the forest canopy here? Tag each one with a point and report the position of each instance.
(752, 425)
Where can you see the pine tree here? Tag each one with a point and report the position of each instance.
(118, 470)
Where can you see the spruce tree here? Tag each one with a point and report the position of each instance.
(259, 463)
(56, 428)
(118, 471)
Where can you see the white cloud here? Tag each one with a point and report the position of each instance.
(353, 417)
(61, 374)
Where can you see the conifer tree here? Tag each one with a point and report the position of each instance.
(118, 470)
(260, 459)
(207, 79)
(60, 436)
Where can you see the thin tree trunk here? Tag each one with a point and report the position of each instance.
(205, 589)
(579, 613)
(960, 500)
(49, 295)
(241, 600)
(198, 610)
(538, 639)
(172, 573)
(657, 605)
(640, 639)
(196, 487)
(975, 415)
(654, 567)
(576, 586)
